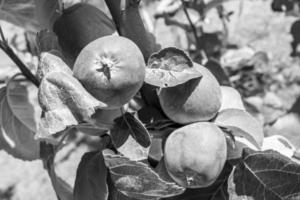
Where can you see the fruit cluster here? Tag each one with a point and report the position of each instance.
(112, 70)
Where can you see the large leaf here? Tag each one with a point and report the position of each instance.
(19, 114)
(138, 180)
(90, 183)
(267, 175)
(65, 103)
(130, 137)
(170, 67)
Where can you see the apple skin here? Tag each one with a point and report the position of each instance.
(195, 154)
(112, 69)
(195, 100)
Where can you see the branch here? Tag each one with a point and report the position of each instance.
(25, 71)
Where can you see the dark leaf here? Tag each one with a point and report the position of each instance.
(267, 175)
(170, 67)
(138, 180)
(136, 129)
(130, 137)
(90, 183)
(47, 41)
(46, 12)
(64, 190)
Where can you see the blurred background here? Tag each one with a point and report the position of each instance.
(254, 42)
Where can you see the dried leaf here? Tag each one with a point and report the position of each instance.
(51, 63)
(65, 103)
(90, 183)
(170, 67)
(267, 175)
(138, 180)
(18, 119)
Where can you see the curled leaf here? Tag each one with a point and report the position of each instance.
(138, 180)
(51, 63)
(170, 67)
(65, 103)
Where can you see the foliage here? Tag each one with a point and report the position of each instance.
(38, 111)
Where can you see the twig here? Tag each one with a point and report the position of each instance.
(190, 21)
(25, 71)
(199, 47)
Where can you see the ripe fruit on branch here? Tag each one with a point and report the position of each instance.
(112, 69)
(79, 25)
(195, 154)
(195, 100)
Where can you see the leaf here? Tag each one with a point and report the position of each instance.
(170, 67)
(91, 129)
(247, 131)
(90, 183)
(20, 13)
(136, 179)
(64, 190)
(130, 137)
(65, 103)
(47, 41)
(18, 119)
(156, 149)
(46, 12)
(114, 193)
(267, 175)
(51, 63)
